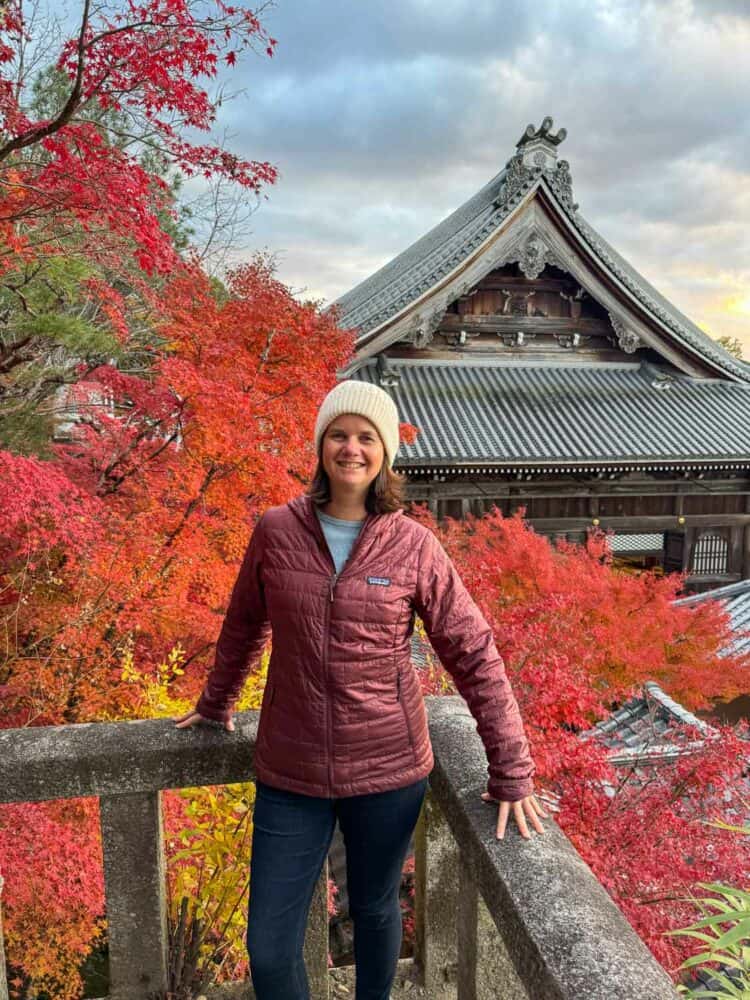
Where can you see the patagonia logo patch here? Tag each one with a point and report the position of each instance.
(380, 581)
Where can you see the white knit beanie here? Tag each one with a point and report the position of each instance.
(366, 400)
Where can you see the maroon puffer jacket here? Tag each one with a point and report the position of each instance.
(343, 712)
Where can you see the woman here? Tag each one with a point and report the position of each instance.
(339, 575)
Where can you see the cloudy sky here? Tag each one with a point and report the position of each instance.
(383, 116)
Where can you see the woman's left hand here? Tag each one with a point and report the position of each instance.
(523, 811)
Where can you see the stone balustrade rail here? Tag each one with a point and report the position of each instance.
(508, 920)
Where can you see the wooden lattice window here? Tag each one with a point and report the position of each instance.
(710, 555)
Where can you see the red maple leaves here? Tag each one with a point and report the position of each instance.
(136, 83)
(578, 640)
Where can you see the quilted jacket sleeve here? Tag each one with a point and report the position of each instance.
(243, 635)
(463, 641)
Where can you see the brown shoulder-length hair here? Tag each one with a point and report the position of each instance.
(385, 495)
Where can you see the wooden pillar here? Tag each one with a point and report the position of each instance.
(478, 507)
(135, 893)
(687, 551)
(735, 549)
(746, 553)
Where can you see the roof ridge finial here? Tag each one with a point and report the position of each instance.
(539, 144)
(543, 132)
(536, 157)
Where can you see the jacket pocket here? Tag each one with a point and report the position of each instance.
(404, 712)
(265, 716)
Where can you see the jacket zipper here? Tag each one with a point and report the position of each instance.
(326, 638)
(326, 645)
(329, 700)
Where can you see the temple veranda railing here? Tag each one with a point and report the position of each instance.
(511, 919)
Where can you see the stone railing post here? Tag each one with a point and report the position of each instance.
(135, 890)
(316, 939)
(436, 898)
(562, 936)
(467, 921)
(3, 978)
(485, 969)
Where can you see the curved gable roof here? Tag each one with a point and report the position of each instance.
(378, 299)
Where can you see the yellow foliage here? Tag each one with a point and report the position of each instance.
(155, 699)
(438, 679)
(209, 866)
(255, 685)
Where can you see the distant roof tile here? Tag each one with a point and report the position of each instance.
(422, 653)
(647, 726)
(415, 270)
(736, 599)
(681, 325)
(522, 414)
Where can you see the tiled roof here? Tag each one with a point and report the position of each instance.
(736, 599)
(685, 330)
(646, 728)
(399, 283)
(500, 414)
(413, 272)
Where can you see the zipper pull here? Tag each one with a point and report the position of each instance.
(333, 584)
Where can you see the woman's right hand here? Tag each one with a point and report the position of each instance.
(193, 718)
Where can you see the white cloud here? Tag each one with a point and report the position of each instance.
(384, 117)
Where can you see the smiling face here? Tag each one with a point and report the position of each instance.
(352, 454)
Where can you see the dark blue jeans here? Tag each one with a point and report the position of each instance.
(291, 837)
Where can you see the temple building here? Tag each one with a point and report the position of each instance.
(544, 372)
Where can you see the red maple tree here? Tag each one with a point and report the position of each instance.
(579, 638)
(125, 545)
(131, 536)
(136, 82)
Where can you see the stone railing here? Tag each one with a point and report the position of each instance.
(511, 919)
